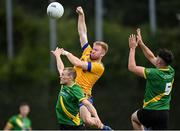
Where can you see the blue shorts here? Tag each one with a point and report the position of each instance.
(90, 99)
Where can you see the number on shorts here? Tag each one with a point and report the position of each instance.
(168, 88)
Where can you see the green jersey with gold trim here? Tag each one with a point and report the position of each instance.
(158, 88)
(68, 105)
(17, 122)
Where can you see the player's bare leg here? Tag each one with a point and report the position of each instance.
(135, 122)
(88, 119)
(91, 121)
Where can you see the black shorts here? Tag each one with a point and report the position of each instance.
(69, 127)
(154, 119)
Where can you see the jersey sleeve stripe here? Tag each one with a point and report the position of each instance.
(89, 66)
(82, 99)
(145, 73)
(10, 125)
(85, 46)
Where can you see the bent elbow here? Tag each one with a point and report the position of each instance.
(131, 68)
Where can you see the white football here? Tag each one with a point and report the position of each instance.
(55, 10)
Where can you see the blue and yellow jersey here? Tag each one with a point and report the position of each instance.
(87, 78)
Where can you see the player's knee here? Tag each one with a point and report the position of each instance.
(133, 117)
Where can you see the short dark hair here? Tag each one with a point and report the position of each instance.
(166, 55)
(71, 72)
(23, 104)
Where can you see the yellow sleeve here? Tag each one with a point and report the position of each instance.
(145, 73)
(86, 49)
(96, 68)
(9, 125)
(82, 99)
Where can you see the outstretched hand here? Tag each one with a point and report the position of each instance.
(79, 10)
(132, 41)
(57, 52)
(139, 37)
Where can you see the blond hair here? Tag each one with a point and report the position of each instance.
(103, 45)
(71, 72)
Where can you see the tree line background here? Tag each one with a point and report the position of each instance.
(118, 93)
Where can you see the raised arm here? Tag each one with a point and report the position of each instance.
(75, 60)
(82, 30)
(138, 70)
(147, 52)
(57, 53)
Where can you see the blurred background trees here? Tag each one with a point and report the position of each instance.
(118, 93)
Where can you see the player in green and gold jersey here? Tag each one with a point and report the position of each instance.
(155, 112)
(20, 121)
(70, 96)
